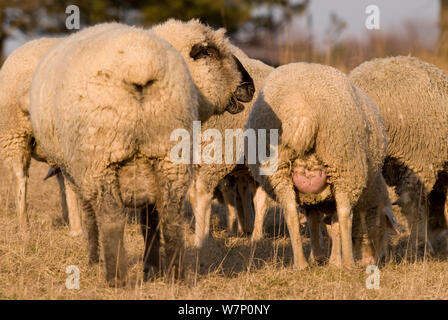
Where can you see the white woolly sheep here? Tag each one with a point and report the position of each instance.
(99, 109)
(373, 223)
(17, 145)
(208, 176)
(412, 97)
(320, 117)
(16, 139)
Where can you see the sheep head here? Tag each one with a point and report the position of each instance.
(222, 81)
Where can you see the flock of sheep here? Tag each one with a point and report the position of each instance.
(99, 107)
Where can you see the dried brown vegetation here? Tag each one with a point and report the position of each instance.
(34, 268)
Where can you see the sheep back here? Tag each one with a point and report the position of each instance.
(412, 97)
(108, 93)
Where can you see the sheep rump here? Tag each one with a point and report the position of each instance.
(412, 97)
(324, 116)
(99, 104)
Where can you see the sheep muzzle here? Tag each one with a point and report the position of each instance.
(246, 89)
(234, 106)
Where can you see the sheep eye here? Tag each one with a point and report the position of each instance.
(199, 51)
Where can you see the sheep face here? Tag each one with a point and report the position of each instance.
(221, 79)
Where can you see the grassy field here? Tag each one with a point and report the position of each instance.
(34, 267)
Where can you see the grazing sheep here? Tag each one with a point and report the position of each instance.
(326, 128)
(412, 97)
(17, 145)
(103, 109)
(235, 193)
(373, 223)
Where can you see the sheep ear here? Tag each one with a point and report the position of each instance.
(52, 172)
(391, 220)
(196, 50)
(221, 32)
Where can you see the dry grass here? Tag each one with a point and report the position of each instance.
(34, 267)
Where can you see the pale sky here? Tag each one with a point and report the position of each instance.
(394, 14)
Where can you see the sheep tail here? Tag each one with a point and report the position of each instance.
(299, 133)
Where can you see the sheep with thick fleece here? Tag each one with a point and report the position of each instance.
(373, 223)
(412, 97)
(208, 176)
(17, 145)
(320, 116)
(103, 108)
(219, 76)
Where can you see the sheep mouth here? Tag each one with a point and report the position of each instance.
(246, 89)
(234, 106)
(245, 92)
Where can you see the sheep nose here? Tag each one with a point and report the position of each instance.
(245, 92)
(246, 89)
(234, 106)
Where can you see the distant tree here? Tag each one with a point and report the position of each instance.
(37, 17)
(229, 13)
(2, 33)
(443, 27)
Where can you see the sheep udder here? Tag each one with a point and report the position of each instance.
(309, 181)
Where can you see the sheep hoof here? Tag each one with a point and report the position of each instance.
(256, 237)
(335, 262)
(318, 260)
(116, 283)
(150, 273)
(75, 233)
(349, 265)
(93, 259)
(301, 266)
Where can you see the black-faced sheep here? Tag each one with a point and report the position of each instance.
(220, 78)
(208, 176)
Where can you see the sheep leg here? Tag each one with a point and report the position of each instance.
(92, 233)
(445, 213)
(412, 199)
(111, 221)
(335, 234)
(314, 218)
(230, 201)
(345, 217)
(149, 225)
(260, 203)
(60, 180)
(245, 215)
(285, 194)
(74, 210)
(365, 231)
(173, 225)
(202, 212)
(292, 221)
(20, 169)
(280, 186)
